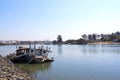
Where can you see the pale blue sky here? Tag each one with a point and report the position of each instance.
(45, 19)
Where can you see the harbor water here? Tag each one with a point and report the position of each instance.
(75, 62)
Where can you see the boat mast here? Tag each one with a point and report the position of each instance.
(16, 45)
(30, 48)
(29, 44)
(34, 48)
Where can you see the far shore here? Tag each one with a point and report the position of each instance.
(92, 42)
(108, 42)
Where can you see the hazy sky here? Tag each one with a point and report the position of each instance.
(45, 19)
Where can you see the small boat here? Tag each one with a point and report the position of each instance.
(31, 55)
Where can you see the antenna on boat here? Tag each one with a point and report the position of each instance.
(29, 44)
(34, 45)
(16, 44)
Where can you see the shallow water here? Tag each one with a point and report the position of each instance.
(76, 62)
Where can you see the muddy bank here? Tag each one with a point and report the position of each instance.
(8, 71)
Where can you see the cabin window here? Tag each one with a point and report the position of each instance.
(31, 50)
(27, 51)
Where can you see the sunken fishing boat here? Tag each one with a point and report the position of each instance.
(31, 55)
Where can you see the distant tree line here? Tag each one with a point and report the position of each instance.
(70, 41)
(77, 41)
(114, 37)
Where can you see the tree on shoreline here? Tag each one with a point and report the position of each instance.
(59, 39)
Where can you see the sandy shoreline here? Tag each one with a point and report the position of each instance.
(103, 43)
(8, 71)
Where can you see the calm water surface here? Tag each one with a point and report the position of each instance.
(76, 62)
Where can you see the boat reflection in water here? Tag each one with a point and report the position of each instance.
(35, 69)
